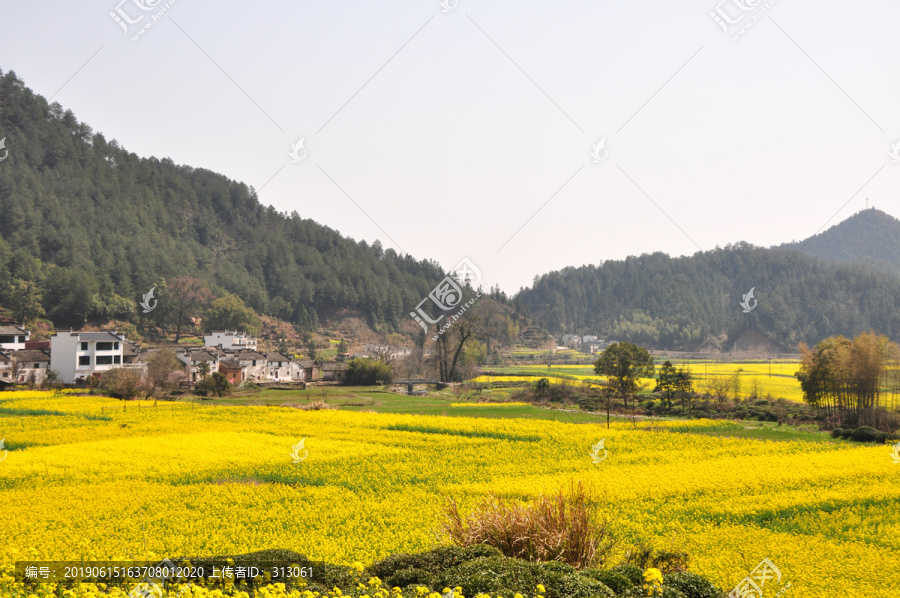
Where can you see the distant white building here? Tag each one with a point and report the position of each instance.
(80, 355)
(13, 338)
(230, 340)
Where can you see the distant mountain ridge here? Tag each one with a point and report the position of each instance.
(870, 237)
(845, 280)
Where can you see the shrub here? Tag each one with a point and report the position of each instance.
(120, 383)
(402, 570)
(864, 434)
(503, 576)
(836, 433)
(216, 384)
(882, 437)
(614, 580)
(692, 585)
(561, 527)
(846, 432)
(367, 372)
(315, 406)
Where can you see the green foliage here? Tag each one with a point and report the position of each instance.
(624, 363)
(367, 372)
(342, 349)
(541, 386)
(216, 384)
(87, 224)
(230, 313)
(692, 585)
(504, 576)
(864, 434)
(682, 302)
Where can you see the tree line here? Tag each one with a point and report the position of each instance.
(855, 382)
(684, 302)
(88, 228)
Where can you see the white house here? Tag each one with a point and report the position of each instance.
(80, 355)
(254, 364)
(282, 367)
(230, 340)
(13, 338)
(193, 358)
(30, 366)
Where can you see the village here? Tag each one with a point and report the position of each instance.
(81, 357)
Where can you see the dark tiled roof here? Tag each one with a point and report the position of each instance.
(31, 355)
(202, 356)
(334, 366)
(307, 363)
(97, 336)
(11, 330)
(231, 364)
(277, 357)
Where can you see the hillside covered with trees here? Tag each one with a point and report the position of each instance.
(869, 237)
(694, 301)
(87, 228)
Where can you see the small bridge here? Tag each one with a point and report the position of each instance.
(411, 383)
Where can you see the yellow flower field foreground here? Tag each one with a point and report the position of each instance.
(95, 481)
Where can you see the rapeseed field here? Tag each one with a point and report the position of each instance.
(94, 480)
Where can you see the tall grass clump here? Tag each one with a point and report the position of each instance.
(566, 526)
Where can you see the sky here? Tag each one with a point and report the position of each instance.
(525, 136)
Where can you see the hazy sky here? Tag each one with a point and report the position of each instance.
(468, 133)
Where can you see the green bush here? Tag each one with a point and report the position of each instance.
(836, 433)
(692, 585)
(846, 432)
(614, 580)
(864, 434)
(426, 568)
(367, 372)
(507, 576)
(216, 384)
(882, 437)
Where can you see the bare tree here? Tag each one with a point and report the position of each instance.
(188, 295)
(717, 387)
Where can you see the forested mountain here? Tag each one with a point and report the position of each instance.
(868, 237)
(685, 302)
(86, 228)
